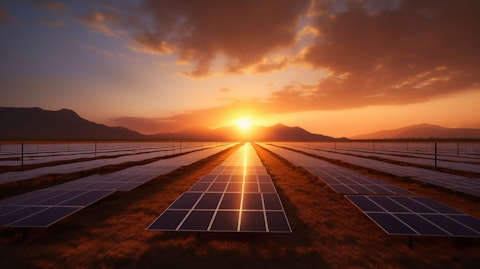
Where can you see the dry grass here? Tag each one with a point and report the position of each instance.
(328, 232)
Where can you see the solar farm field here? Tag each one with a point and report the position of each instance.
(234, 205)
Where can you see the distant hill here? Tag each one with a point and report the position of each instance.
(64, 124)
(277, 132)
(422, 131)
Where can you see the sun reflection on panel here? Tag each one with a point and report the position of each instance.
(245, 160)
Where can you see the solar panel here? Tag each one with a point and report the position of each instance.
(454, 182)
(44, 207)
(341, 180)
(166, 166)
(416, 216)
(237, 196)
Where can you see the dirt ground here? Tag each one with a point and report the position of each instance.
(328, 231)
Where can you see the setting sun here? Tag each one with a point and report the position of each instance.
(243, 123)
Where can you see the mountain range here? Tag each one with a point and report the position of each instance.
(38, 124)
(64, 124)
(278, 132)
(423, 131)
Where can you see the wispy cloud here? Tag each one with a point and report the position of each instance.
(101, 21)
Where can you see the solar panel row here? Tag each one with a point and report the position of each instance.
(454, 182)
(416, 216)
(44, 207)
(341, 180)
(396, 215)
(85, 165)
(237, 196)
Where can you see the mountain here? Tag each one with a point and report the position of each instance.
(277, 132)
(422, 131)
(64, 124)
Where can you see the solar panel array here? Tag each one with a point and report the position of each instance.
(81, 166)
(396, 215)
(416, 216)
(454, 182)
(341, 180)
(44, 207)
(237, 196)
(449, 154)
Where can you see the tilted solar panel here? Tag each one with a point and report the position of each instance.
(416, 216)
(237, 196)
(340, 179)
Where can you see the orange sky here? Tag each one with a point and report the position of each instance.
(339, 68)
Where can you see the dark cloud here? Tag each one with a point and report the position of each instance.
(243, 31)
(397, 54)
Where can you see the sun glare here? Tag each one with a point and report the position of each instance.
(243, 123)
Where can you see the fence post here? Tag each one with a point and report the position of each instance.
(435, 154)
(22, 157)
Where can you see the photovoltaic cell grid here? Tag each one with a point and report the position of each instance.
(416, 216)
(344, 181)
(87, 165)
(398, 215)
(44, 207)
(341, 180)
(237, 196)
(454, 182)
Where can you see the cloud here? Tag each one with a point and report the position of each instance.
(243, 31)
(376, 52)
(392, 54)
(101, 21)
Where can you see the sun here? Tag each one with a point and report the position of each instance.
(244, 123)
